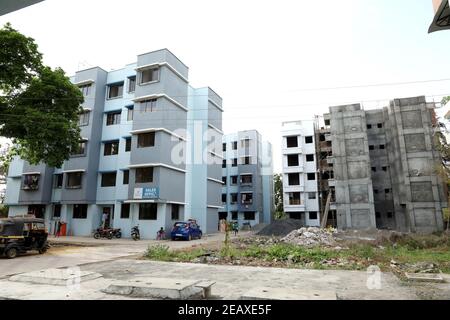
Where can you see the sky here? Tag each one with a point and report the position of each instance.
(270, 61)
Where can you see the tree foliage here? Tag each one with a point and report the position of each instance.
(39, 107)
(278, 195)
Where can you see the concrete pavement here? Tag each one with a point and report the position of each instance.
(74, 251)
(231, 282)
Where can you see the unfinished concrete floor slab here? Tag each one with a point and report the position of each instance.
(156, 288)
(424, 277)
(58, 277)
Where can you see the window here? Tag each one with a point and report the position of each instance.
(111, 148)
(374, 169)
(234, 198)
(125, 211)
(249, 215)
(308, 139)
(369, 126)
(234, 145)
(144, 175)
(381, 146)
(74, 180)
(387, 190)
(115, 90)
(80, 150)
(234, 179)
(224, 163)
(224, 197)
(85, 89)
(246, 179)
(310, 157)
(375, 191)
(327, 122)
(56, 210)
(293, 179)
(246, 198)
(294, 198)
(175, 211)
(224, 180)
(234, 163)
(384, 168)
(113, 118)
(148, 105)
(292, 142)
(149, 75)
(130, 113)
(245, 143)
(30, 182)
(246, 160)
(313, 215)
(83, 118)
(79, 211)
(58, 180)
(148, 211)
(126, 176)
(311, 176)
(379, 125)
(292, 160)
(311, 195)
(108, 179)
(234, 215)
(371, 147)
(377, 215)
(146, 140)
(127, 144)
(224, 147)
(131, 84)
(390, 215)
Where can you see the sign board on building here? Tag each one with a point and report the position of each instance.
(146, 193)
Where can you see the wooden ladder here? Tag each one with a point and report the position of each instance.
(323, 224)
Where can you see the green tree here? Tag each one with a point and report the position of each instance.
(445, 100)
(278, 195)
(39, 107)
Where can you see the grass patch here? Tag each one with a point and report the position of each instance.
(163, 253)
(408, 251)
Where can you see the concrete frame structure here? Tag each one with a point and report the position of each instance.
(242, 178)
(137, 164)
(299, 161)
(384, 164)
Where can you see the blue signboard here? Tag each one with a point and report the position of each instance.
(150, 193)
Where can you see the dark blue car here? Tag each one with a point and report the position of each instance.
(186, 230)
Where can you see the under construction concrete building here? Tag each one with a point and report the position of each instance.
(378, 167)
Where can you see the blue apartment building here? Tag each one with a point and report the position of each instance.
(143, 128)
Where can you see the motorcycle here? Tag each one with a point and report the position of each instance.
(103, 233)
(117, 233)
(135, 234)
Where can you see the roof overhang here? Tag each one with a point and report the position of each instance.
(14, 5)
(441, 19)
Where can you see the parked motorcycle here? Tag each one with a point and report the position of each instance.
(117, 233)
(103, 233)
(135, 234)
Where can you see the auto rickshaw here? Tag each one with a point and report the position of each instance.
(21, 234)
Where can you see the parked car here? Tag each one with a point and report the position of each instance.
(186, 230)
(19, 235)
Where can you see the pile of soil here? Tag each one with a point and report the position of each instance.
(280, 228)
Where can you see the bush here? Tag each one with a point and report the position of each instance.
(158, 252)
(3, 211)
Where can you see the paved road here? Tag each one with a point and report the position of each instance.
(82, 251)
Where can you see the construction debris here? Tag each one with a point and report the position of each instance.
(311, 236)
(280, 228)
